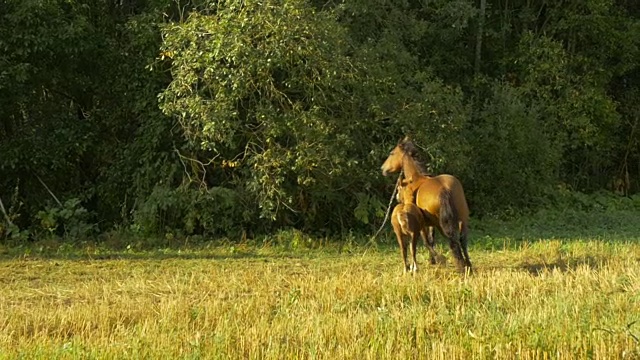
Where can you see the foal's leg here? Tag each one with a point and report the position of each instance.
(414, 251)
(403, 247)
(405, 261)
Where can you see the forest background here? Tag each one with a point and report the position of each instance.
(239, 118)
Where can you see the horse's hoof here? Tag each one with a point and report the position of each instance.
(441, 260)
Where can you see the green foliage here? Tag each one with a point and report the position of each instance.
(78, 110)
(45, 98)
(404, 96)
(566, 215)
(257, 85)
(9, 222)
(292, 239)
(404, 36)
(567, 81)
(368, 208)
(139, 151)
(600, 201)
(69, 219)
(213, 212)
(514, 158)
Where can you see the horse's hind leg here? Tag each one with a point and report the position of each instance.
(464, 230)
(456, 247)
(450, 227)
(428, 236)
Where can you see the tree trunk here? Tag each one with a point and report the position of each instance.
(483, 6)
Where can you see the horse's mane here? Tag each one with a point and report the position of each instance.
(411, 149)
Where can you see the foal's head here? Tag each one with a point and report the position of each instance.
(405, 194)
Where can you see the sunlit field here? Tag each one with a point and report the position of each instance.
(565, 297)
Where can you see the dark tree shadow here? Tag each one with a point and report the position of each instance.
(563, 265)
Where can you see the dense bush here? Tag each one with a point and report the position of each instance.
(514, 157)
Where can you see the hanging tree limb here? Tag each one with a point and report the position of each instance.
(203, 166)
(49, 190)
(386, 216)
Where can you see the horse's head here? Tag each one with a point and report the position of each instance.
(396, 157)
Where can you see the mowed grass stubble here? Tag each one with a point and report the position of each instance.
(549, 299)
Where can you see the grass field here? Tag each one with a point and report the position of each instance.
(532, 296)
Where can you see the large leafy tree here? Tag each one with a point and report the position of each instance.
(264, 88)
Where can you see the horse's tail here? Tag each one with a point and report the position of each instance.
(449, 217)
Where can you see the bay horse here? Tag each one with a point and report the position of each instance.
(441, 198)
(408, 220)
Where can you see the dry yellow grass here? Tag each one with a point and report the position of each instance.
(548, 300)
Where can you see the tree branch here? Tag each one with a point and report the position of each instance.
(49, 190)
(476, 67)
(4, 212)
(202, 166)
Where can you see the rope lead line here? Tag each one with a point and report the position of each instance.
(386, 216)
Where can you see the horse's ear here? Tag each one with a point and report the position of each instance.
(407, 145)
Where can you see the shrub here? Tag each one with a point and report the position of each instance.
(216, 211)
(514, 160)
